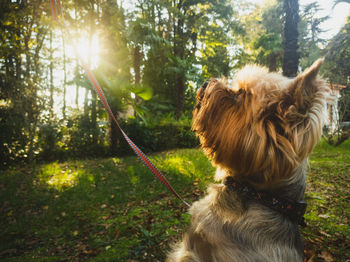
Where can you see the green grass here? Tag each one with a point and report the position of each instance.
(328, 197)
(115, 210)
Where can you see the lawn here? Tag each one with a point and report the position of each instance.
(115, 210)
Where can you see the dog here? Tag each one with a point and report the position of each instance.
(258, 132)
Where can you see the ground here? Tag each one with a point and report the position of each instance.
(115, 210)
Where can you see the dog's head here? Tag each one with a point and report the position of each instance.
(265, 125)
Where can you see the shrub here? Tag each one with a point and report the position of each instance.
(164, 136)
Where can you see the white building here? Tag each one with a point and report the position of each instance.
(333, 112)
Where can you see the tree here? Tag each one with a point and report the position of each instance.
(290, 38)
(337, 70)
(114, 74)
(337, 59)
(269, 44)
(309, 35)
(185, 28)
(262, 36)
(21, 75)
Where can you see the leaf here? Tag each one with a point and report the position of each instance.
(311, 259)
(324, 233)
(326, 256)
(324, 216)
(146, 93)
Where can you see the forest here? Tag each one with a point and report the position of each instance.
(149, 57)
(70, 187)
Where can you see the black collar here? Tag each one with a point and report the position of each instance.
(293, 210)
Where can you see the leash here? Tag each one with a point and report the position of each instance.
(56, 9)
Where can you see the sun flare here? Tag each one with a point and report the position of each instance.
(87, 49)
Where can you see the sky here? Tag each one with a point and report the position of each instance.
(337, 15)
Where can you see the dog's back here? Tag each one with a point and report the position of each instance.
(225, 228)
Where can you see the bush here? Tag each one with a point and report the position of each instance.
(164, 136)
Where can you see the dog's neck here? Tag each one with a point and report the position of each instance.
(294, 210)
(292, 188)
(286, 196)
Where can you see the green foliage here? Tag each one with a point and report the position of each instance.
(269, 45)
(48, 137)
(154, 55)
(21, 73)
(77, 139)
(337, 60)
(158, 135)
(310, 41)
(263, 36)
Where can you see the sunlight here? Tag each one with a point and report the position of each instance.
(61, 177)
(89, 53)
(87, 49)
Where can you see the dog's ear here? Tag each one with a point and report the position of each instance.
(305, 85)
(310, 73)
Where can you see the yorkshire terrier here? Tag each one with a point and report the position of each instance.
(259, 133)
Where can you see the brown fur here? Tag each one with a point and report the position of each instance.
(260, 131)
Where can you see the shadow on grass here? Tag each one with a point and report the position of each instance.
(105, 210)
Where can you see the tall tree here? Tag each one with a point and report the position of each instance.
(337, 59)
(269, 43)
(116, 76)
(290, 40)
(51, 68)
(310, 29)
(21, 77)
(186, 27)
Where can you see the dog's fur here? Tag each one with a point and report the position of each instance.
(259, 131)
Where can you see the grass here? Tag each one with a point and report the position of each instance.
(115, 210)
(328, 215)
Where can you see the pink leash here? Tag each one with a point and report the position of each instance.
(99, 91)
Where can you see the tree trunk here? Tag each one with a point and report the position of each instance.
(94, 129)
(179, 48)
(77, 73)
(64, 79)
(137, 64)
(33, 126)
(272, 63)
(51, 77)
(290, 43)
